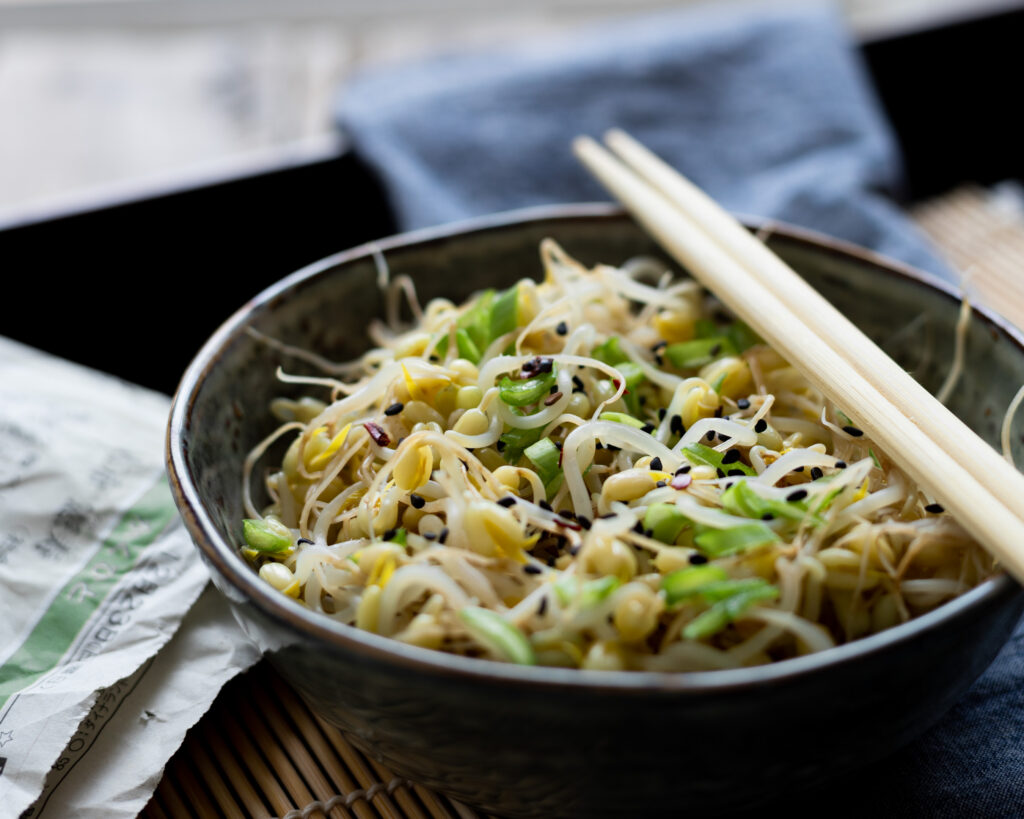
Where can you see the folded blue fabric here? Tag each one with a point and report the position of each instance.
(771, 113)
(767, 110)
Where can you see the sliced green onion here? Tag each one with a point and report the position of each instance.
(623, 418)
(594, 591)
(545, 457)
(476, 321)
(528, 391)
(631, 372)
(566, 587)
(267, 535)
(515, 442)
(705, 328)
(688, 582)
(740, 499)
(737, 539)
(665, 521)
(686, 355)
(497, 634)
(727, 610)
(504, 313)
(610, 352)
(701, 455)
(741, 336)
(720, 589)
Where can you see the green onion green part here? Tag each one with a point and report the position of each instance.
(496, 633)
(665, 522)
(738, 539)
(687, 583)
(701, 455)
(267, 535)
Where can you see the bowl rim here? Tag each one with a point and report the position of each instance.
(338, 637)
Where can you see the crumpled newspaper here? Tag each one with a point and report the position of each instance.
(96, 576)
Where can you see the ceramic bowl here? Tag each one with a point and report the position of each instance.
(545, 742)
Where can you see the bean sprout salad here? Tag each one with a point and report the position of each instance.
(602, 470)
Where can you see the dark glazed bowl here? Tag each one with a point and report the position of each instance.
(547, 742)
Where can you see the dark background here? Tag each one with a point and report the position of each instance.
(135, 287)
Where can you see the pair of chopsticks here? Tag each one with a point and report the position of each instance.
(946, 458)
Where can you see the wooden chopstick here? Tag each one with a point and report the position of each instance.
(925, 457)
(980, 459)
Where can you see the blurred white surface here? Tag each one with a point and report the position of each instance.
(94, 92)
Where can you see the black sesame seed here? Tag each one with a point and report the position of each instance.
(676, 425)
(697, 559)
(545, 505)
(304, 540)
(429, 536)
(577, 382)
(395, 408)
(613, 448)
(417, 501)
(661, 345)
(743, 403)
(767, 516)
(721, 473)
(798, 495)
(543, 607)
(648, 533)
(799, 469)
(660, 484)
(736, 472)
(683, 469)
(715, 350)
(568, 514)
(606, 517)
(711, 435)
(840, 464)
(574, 550)
(718, 411)
(500, 446)
(434, 358)
(659, 359)
(530, 568)
(724, 438)
(562, 328)
(584, 521)
(507, 501)
(934, 508)
(638, 527)
(598, 445)
(441, 538)
(648, 428)
(816, 473)
(390, 534)
(656, 464)
(553, 390)
(856, 433)
(761, 425)
(731, 456)
(662, 413)
(729, 485)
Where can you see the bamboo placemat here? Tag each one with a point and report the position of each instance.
(260, 752)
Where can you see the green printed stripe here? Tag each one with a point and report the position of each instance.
(58, 628)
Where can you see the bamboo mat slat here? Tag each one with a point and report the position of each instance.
(982, 236)
(261, 753)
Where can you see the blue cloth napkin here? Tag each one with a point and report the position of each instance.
(770, 112)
